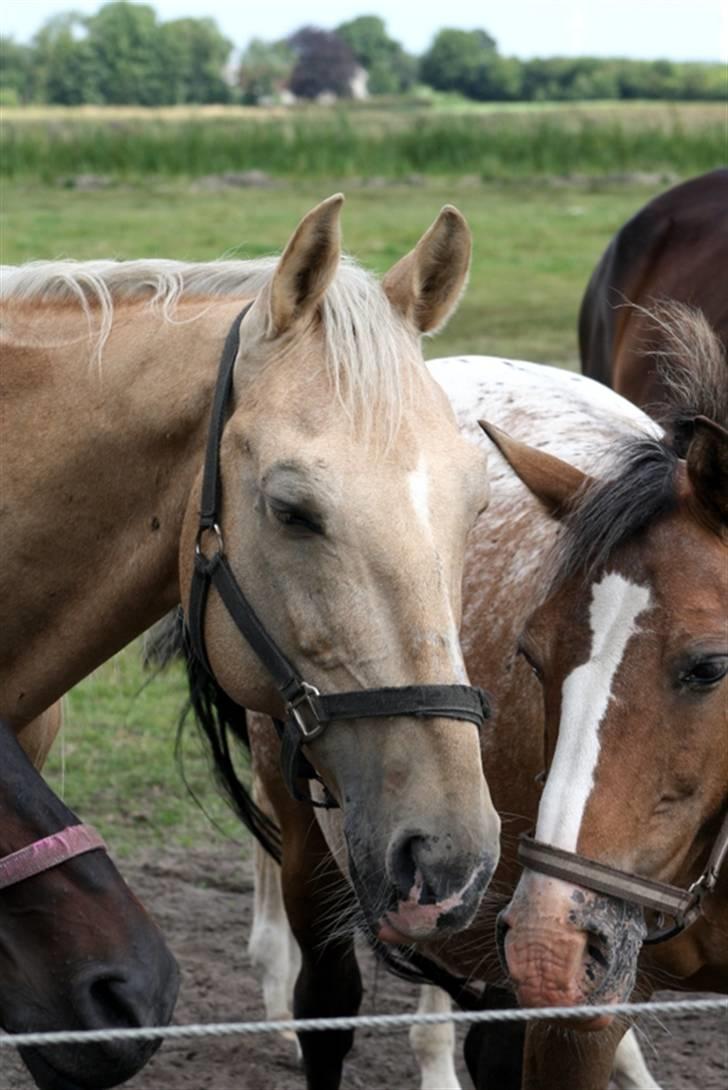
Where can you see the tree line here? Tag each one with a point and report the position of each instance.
(124, 55)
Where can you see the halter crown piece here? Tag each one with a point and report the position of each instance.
(308, 713)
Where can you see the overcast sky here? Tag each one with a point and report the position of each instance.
(677, 29)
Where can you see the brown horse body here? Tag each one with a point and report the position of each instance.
(676, 247)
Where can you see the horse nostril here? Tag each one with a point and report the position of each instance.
(597, 956)
(502, 927)
(112, 1003)
(402, 865)
(596, 953)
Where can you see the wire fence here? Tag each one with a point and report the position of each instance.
(675, 1007)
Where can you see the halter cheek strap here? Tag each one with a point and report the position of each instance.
(308, 713)
(49, 852)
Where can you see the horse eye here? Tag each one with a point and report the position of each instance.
(705, 673)
(535, 668)
(294, 517)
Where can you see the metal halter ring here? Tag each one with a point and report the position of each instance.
(214, 529)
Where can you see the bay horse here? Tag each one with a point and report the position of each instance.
(332, 448)
(676, 248)
(77, 949)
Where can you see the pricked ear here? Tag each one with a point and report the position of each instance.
(707, 466)
(307, 266)
(425, 286)
(555, 483)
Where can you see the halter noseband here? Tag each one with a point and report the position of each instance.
(49, 852)
(308, 712)
(684, 906)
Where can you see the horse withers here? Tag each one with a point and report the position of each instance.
(345, 495)
(77, 949)
(675, 248)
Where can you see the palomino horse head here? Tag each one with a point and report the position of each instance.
(77, 950)
(348, 495)
(631, 648)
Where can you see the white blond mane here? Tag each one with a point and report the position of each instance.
(368, 346)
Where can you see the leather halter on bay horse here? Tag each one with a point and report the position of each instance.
(49, 852)
(684, 906)
(308, 712)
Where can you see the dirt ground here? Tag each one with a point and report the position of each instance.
(204, 903)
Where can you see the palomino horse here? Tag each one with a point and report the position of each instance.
(504, 582)
(676, 247)
(77, 950)
(331, 448)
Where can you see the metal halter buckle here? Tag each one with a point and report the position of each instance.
(702, 885)
(306, 696)
(216, 531)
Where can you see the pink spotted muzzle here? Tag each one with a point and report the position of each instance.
(419, 916)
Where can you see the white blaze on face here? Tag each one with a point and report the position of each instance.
(419, 489)
(615, 606)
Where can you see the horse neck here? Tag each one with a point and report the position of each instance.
(98, 491)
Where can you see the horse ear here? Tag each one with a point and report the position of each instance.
(707, 466)
(307, 266)
(427, 283)
(555, 483)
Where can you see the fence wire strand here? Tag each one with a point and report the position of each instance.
(677, 1007)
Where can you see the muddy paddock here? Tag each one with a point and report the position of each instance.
(204, 902)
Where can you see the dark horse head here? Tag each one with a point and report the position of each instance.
(77, 950)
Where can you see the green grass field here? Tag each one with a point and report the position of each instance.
(535, 245)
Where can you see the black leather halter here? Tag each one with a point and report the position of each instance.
(308, 713)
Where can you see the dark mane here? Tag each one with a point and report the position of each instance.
(640, 488)
(641, 482)
(222, 724)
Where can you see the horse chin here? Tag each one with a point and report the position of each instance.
(48, 1076)
(589, 1025)
(45, 1076)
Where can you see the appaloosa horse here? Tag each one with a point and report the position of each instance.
(77, 950)
(648, 542)
(676, 248)
(505, 581)
(329, 447)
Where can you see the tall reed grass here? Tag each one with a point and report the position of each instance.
(492, 146)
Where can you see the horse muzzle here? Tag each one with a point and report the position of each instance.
(566, 946)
